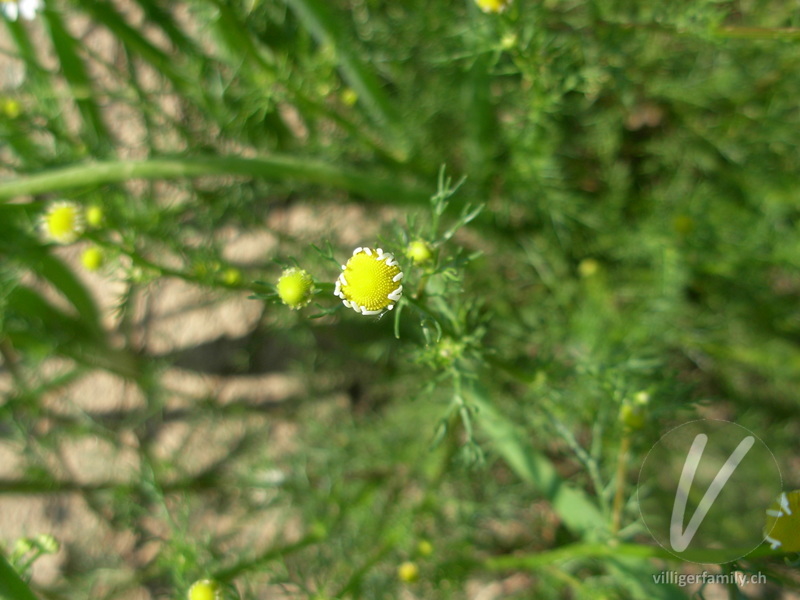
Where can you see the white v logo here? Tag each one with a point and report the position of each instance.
(679, 539)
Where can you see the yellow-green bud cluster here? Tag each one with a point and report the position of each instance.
(633, 414)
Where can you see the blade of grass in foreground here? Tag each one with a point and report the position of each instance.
(11, 586)
(277, 168)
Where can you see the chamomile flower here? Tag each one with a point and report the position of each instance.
(63, 222)
(12, 9)
(493, 6)
(295, 288)
(782, 529)
(205, 589)
(370, 282)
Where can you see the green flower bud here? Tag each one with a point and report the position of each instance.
(588, 267)
(408, 572)
(94, 216)
(424, 548)
(22, 546)
(92, 258)
(232, 276)
(349, 97)
(47, 543)
(419, 252)
(11, 108)
(295, 288)
(633, 414)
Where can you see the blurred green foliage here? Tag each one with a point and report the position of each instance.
(617, 215)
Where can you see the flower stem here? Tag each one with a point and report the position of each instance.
(622, 462)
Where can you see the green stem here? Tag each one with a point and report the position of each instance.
(609, 550)
(273, 553)
(757, 33)
(276, 167)
(622, 462)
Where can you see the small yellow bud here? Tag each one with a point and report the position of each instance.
(424, 548)
(47, 543)
(634, 414)
(295, 288)
(493, 6)
(588, 267)
(508, 41)
(205, 589)
(11, 108)
(349, 97)
(23, 546)
(419, 252)
(94, 216)
(232, 276)
(92, 258)
(408, 572)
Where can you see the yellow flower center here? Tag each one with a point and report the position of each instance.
(370, 281)
(205, 589)
(782, 529)
(63, 222)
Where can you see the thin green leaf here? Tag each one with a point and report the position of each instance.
(105, 13)
(11, 586)
(316, 17)
(57, 273)
(573, 505)
(94, 131)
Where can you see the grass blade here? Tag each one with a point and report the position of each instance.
(276, 167)
(11, 586)
(322, 25)
(94, 131)
(573, 505)
(57, 273)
